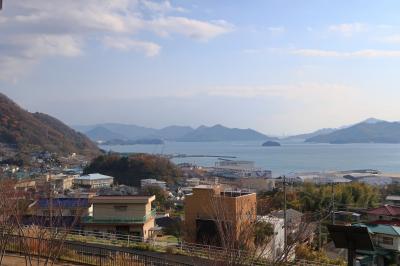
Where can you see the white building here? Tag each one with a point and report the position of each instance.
(153, 183)
(93, 181)
(277, 242)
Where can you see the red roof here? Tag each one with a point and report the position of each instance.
(386, 210)
(393, 222)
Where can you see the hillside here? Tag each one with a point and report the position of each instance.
(221, 133)
(28, 132)
(365, 132)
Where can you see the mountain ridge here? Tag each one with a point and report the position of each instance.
(28, 132)
(367, 131)
(175, 133)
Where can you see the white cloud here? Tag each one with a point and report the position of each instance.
(367, 53)
(302, 91)
(32, 30)
(348, 29)
(393, 39)
(277, 30)
(191, 28)
(126, 44)
(163, 7)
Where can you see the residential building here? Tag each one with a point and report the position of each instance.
(346, 217)
(208, 206)
(257, 183)
(93, 181)
(393, 200)
(62, 207)
(386, 240)
(276, 245)
(131, 215)
(153, 183)
(385, 213)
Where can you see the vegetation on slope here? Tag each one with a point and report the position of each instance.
(28, 132)
(129, 170)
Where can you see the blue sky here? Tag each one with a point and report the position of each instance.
(281, 67)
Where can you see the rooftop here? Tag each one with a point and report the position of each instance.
(64, 202)
(95, 176)
(381, 229)
(387, 210)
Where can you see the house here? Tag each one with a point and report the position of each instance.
(63, 207)
(93, 181)
(131, 215)
(153, 183)
(385, 212)
(209, 208)
(277, 242)
(293, 217)
(393, 200)
(386, 241)
(346, 217)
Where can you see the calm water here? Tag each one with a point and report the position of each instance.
(288, 158)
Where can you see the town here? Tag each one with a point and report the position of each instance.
(232, 212)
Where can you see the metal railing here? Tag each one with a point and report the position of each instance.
(214, 253)
(57, 250)
(114, 220)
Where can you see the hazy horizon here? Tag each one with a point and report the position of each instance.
(279, 67)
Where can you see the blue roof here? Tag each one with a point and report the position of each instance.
(381, 229)
(94, 176)
(64, 202)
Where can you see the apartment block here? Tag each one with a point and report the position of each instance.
(211, 214)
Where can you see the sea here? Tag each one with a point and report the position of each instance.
(286, 159)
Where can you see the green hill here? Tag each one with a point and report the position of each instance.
(26, 132)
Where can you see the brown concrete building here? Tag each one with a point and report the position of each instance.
(212, 215)
(122, 214)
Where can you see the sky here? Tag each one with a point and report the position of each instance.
(278, 66)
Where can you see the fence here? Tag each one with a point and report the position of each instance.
(55, 249)
(188, 249)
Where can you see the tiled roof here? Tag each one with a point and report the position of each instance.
(387, 210)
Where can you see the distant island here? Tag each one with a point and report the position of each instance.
(369, 131)
(133, 142)
(271, 143)
(113, 131)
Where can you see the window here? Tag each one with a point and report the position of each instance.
(120, 207)
(387, 240)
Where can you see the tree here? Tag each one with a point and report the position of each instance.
(129, 170)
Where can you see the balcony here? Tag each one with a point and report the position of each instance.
(119, 220)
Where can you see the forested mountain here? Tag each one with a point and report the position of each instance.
(26, 132)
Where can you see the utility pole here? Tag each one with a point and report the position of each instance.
(1, 4)
(333, 202)
(284, 214)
